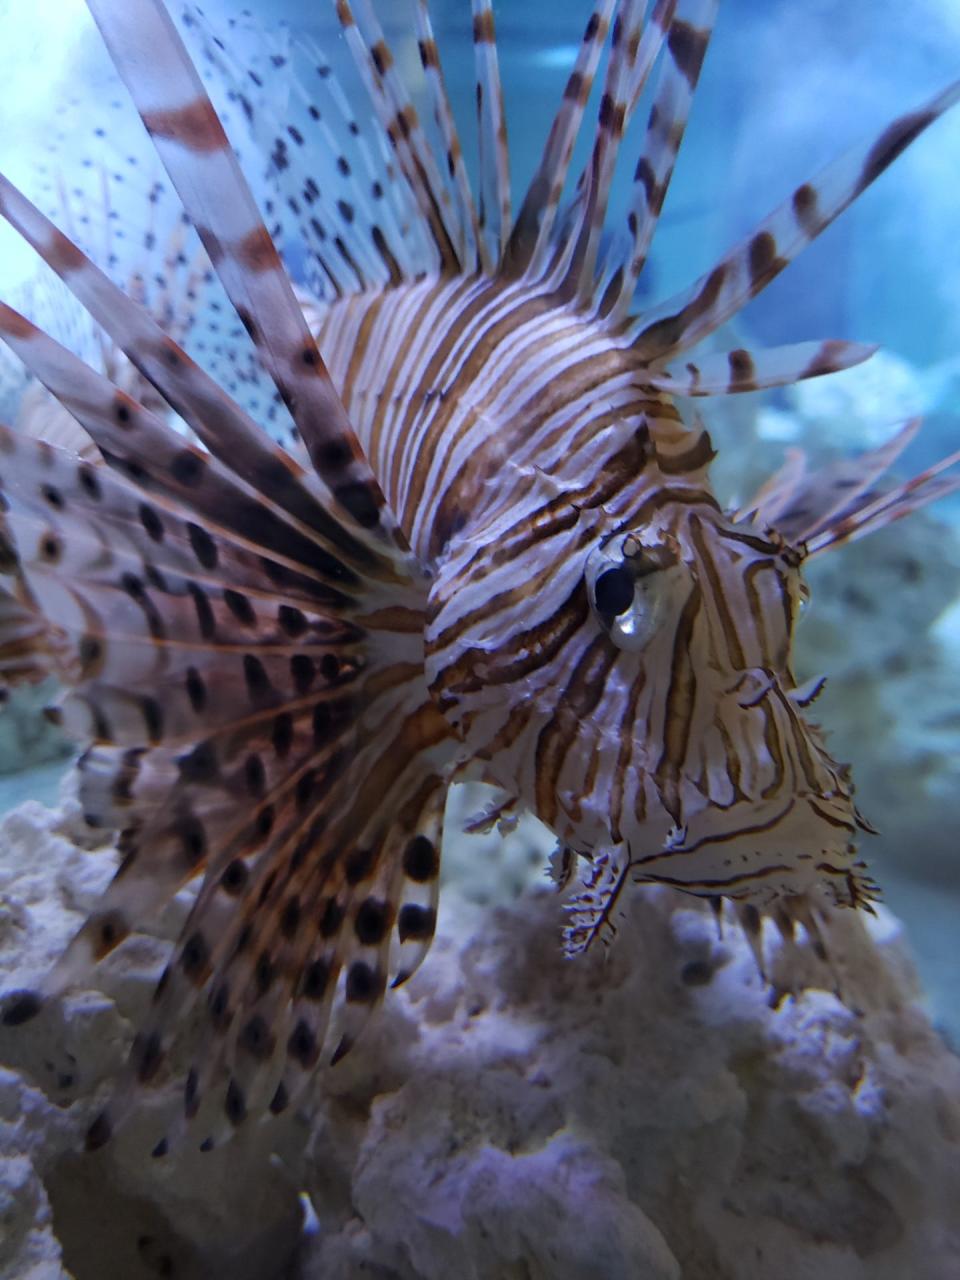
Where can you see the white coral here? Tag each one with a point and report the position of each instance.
(638, 1113)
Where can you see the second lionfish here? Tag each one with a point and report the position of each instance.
(499, 555)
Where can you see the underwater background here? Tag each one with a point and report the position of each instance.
(784, 89)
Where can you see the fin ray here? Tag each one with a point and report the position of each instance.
(690, 316)
(740, 370)
(197, 155)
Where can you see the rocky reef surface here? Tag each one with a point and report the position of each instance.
(644, 1113)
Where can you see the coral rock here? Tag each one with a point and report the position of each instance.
(647, 1112)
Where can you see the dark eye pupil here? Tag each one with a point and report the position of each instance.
(613, 592)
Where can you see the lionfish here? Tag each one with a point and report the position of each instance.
(495, 553)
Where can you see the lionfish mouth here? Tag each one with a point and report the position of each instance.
(278, 659)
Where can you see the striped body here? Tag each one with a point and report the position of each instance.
(462, 391)
(690, 759)
(495, 551)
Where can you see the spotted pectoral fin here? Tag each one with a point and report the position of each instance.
(310, 907)
(251, 723)
(309, 802)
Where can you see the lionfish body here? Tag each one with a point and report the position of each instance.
(499, 556)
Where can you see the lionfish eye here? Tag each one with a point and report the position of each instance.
(613, 591)
(629, 585)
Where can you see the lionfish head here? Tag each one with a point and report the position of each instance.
(639, 686)
(735, 792)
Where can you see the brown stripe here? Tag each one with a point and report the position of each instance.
(718, 594)
(772, 741)
(831, 819)
(663, 336)
(579, 700)
(538, 645)
(257, 252)
(381, 57)
(698, 456)
(895, 139)
(805, 209)
(732, 764)
(428, 55)
(772, 645)
(195, 126)
(801, 742)
(726, 882)
(723, 837)
(678, 707)
(631, 733)
(763, 261)
(688, 45)
(753, 540)
(743, 371)
(483, 29)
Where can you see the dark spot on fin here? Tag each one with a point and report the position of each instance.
(421, 861)
(341, 1051)
(697, 973)
(891, 143)
(148, 1056)
(98, 1135)
(302, 1046)
(360, 501)
(235, 1103)
(688, 46)
(415, 922)
(20, 1007)
(188, 468)
(364, 984)
(371, 922)
(764, 260)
